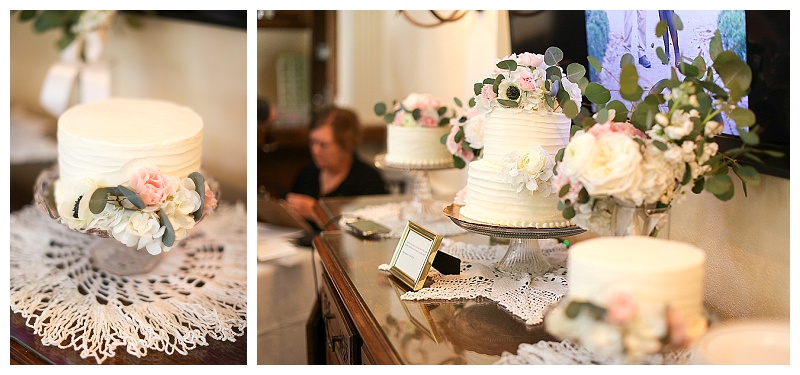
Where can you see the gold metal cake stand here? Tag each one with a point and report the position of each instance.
(524, 254)
(109, 254)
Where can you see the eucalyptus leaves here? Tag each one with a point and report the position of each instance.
(532, 82)
(423, 110)
(663, 146)
(152, 211)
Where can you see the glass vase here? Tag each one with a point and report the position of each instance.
(645, 220)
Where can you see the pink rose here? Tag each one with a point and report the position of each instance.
(210, 200)
(428, 122)
(461, 197)
(622, 308)
(151, 185)
(530, 59)
(525, 81)
(561, 179)
(626, 128)
(677, 328)
(488, 93)
(455, 147)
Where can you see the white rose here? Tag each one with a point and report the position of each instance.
(574, 91)
(614, 166)
(577, 154)
(473, 131)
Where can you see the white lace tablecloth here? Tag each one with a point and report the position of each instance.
(525, 296)
(198, 290)
(391, 215)
(566, 353)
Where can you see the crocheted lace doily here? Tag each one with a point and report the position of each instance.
(566, 353)
(198, 290)
(524, 296)
(395, 216)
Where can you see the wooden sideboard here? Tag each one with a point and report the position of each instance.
(361, 319)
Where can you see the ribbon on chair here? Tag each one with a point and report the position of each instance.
(80, 61)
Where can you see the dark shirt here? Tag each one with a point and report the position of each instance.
(362, 180)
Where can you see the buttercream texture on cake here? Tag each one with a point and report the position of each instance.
(416, 146)
(647, 295)
(151, 149)
(490, 198)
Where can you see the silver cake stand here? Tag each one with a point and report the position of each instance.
(108, 254)
(421, 205)
(524, 255)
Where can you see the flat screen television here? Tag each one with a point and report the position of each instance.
(760, 36)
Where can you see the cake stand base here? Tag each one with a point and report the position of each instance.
(524, 255)
(115, 257)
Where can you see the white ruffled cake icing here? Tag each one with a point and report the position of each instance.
(108, 141)
(416, 146)
(657, 272)
(489, 198)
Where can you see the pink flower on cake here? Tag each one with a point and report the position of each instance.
(529, 59)
(210, 200)
(526, 81)
(622, 308)
(678, 335)
(456, 148)
(151, 185)
(423, 110)
(461, 197)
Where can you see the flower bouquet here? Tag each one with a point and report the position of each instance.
(153, 210)
(663, 147)
(415, 110)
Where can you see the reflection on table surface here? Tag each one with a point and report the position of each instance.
(435, 332)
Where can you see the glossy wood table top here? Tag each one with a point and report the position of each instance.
(413, 332)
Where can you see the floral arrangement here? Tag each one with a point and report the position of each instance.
(663, 147)
(151, 211)
(625, 330)
(465, 139)
(531, 171)
(415, 110)
(531, 81)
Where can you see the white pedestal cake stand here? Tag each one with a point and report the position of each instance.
(524, 254)
(108, 255)
(420, 207)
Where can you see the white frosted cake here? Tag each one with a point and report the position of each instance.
(416, 146)
(650, 290)
(490, 195)
(150, 147)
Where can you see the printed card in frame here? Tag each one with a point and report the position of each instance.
(414, 255)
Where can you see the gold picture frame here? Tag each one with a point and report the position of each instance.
(414, 255)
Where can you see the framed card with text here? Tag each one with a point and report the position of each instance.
(414, 255)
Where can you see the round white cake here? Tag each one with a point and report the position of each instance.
(651, 285)
(416, 146)
(489, 197)
(131, 168)
(108, 141)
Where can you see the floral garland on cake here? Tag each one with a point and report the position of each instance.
(530, 81)
(415, 110)
(151, 211)
(625, 329)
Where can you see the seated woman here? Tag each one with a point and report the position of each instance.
(336, 170)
